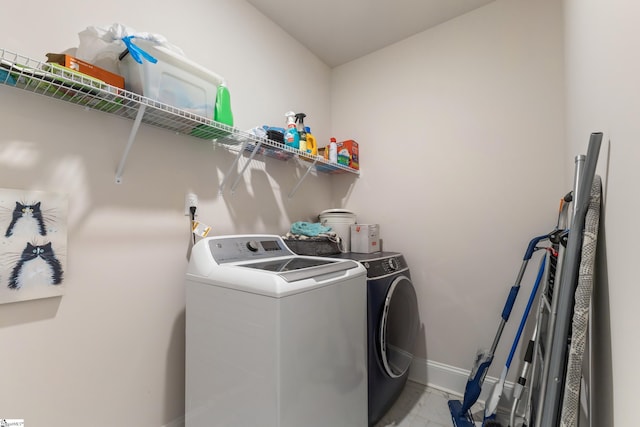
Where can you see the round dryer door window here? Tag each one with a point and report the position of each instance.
(399, 327)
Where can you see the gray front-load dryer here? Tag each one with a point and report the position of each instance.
(392, 324)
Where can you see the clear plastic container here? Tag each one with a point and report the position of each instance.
(173, 80)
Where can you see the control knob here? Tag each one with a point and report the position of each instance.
(252, 245)
(393, 264)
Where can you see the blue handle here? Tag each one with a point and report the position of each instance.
(532, 246)
(506, 311)
(136, 53)
(534, 291)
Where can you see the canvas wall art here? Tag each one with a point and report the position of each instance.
(33, 244)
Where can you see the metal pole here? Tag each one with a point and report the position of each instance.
(558, 351)
(576, 182)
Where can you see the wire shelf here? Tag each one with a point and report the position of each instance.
(54, 81)
(283, 152)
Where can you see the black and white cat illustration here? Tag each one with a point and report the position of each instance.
(26, 220)
(38, 265)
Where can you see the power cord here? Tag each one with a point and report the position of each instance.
(192, 210)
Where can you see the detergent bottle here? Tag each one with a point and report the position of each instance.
(312, 146)
(222, 111)
(301, 131)
(291, 135)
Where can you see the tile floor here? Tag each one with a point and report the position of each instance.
(421, 406)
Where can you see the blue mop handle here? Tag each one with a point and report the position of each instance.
(508, 305)
(532, 246)
(534, 291)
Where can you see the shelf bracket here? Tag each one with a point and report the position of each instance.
(245, 166)
(295, 189)
(132, 137)
(233, 165)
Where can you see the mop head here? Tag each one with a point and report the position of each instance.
(466, 420)
(460, 419)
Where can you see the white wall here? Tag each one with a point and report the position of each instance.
(462, 150)
(602, 68)
(111, 351)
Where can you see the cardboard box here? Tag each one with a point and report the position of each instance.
(348, 154)
(365, 238)
(86, 68)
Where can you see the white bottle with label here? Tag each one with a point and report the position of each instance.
(333, 151)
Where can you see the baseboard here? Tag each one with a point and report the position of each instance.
(453, 380)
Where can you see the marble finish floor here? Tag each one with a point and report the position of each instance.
(421, 406)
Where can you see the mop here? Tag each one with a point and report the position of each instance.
(461, 410)
(491, 406)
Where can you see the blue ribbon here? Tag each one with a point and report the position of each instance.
(136, 53)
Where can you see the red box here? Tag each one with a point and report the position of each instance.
(348, 154)
(86, 68)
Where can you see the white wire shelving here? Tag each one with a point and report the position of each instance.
(54, 81)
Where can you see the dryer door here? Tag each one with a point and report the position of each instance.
(399, 327)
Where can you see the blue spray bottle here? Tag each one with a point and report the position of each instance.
(291, 135)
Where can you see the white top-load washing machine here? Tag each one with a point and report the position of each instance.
(273, 338)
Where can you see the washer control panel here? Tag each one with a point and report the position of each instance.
(243, 248)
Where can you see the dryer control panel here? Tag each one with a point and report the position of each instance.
(385, 266)
(378, 264)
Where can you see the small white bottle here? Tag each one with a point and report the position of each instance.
(333, 151)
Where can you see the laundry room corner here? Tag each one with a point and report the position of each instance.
(464, 122)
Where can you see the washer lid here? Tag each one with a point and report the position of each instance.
(299, 267)
(262, 264)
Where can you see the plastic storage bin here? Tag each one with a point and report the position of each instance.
(173, 80)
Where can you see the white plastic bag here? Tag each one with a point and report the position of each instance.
(103, 46)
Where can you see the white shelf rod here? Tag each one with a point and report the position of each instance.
(132, 137)
(294, 189)
(233, 165)
(245, 166)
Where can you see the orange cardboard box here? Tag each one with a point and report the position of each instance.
(86, 68)
(348, 154)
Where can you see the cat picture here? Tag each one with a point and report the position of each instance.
(25, 220)
(33, 241)
(38, 265)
